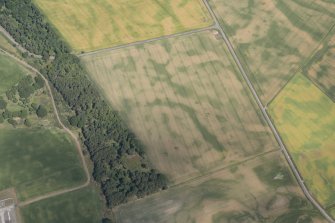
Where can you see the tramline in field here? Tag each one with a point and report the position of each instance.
(184, 99)
(106, 23)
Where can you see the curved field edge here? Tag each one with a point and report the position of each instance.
(31, 158)
(107, 138)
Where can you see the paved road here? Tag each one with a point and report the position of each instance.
(147, 41)
(266, 116)
(73, 136)
(18, 46)
(246, 78)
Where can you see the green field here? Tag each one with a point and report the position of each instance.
(274, 37)
(38, 161)
(82, 206)
(305, 118)
(185, 99)
(332, 212)
(10, 73)
(89, 25)
(6, 45)
(260, 190)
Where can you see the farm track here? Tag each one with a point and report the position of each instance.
(73, 136)
(263, 109)
(147, 41)
(17, 45)
(266, 116)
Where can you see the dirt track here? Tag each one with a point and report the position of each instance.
(73, 136)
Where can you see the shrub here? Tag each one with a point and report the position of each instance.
(3, 103)
(41, 112)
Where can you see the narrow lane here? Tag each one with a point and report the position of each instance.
(17, 45)
(73, 136)
(147, 41)
(266, 116)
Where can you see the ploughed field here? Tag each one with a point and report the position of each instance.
(305, 118)
(274, 38)
(89, 25)
(185, 100)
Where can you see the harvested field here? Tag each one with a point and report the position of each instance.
(82, 206)
(305, 117)
(272, 196)
(275, 37)
(185, 100)
(322, 67)
(89, 25)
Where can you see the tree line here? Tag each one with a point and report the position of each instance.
(107, 138)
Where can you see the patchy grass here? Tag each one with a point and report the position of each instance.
(10, 73)
(38, 161)
(332, 212)
(274, 37)
(82, 206)
(185, 100)
(305, 117)
(6, 45)
(89, 25)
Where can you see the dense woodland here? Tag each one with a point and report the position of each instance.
(105, 135)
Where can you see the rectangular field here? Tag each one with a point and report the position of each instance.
(185, 100)
(272, 195)
(82, 206)
(305, 117)
(38, 161)
(274, 37)
(89, 25)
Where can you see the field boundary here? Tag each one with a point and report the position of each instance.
(266, 116)
(68, 131)
(17, 45)
(100, 51)
(206, 175)
(319, 87)
(101, 46)
(326, 207)
(282, 88)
